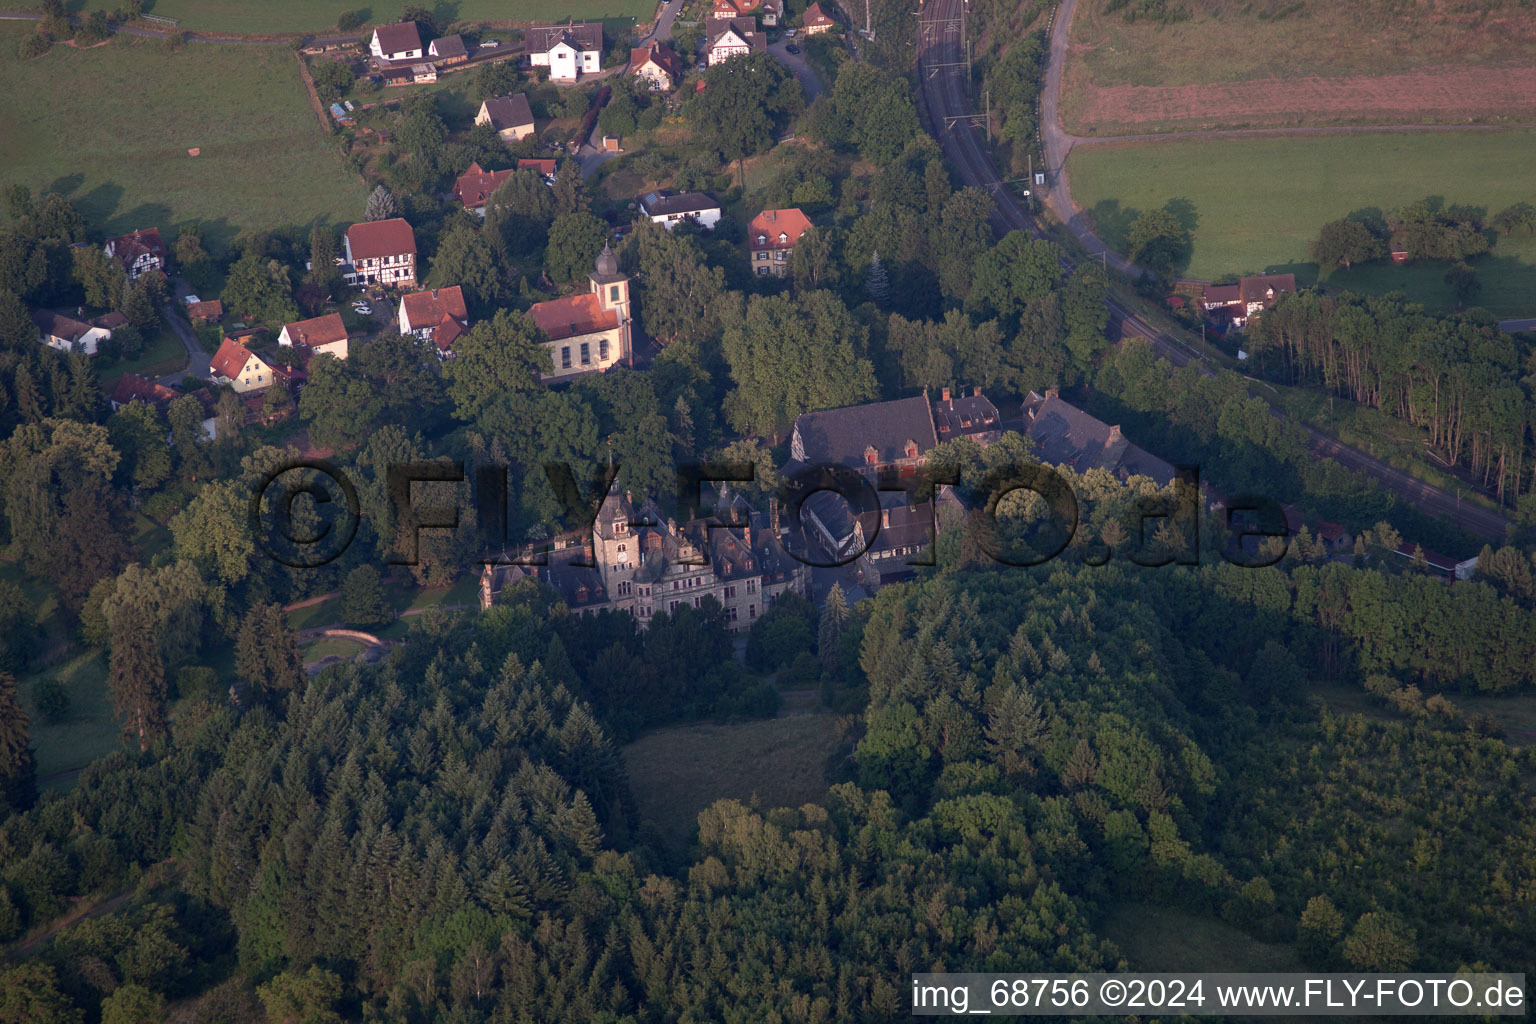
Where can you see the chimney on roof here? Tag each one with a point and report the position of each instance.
(885, 518)
(773, 514)
(944, 395)
(1052, 392)
(1114, 432)
(976, 391)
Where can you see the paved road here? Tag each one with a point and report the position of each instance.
(197, 359)
(944, 104)
(591, 155)
(1528, 324)
(810, 81)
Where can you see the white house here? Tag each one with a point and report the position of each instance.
(397, 42)
(66, 334)
(569, 51)
(668, 210)
(438, 317)
(325, 334)
(139, 252)
(733, 38)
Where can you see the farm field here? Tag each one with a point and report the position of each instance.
(273, 17)
(1285, 44)
(110, 127)
(1242, 196)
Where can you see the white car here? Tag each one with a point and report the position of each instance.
(363, 308)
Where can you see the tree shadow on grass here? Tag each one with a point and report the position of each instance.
(145, 215)
(66, 184)
(1112, 222)
(100, 204)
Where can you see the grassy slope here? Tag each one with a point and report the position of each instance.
(1258, 202)
(111, 127)
(677, 772)
(280, 16)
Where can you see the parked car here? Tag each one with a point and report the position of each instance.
(362, 308)
(789, 33)
(792, 48)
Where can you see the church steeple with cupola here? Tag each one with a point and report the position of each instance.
(612, 291)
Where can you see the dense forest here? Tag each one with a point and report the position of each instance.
(449, 835)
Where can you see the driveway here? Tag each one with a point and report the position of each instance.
(197, 359)
(809, 80)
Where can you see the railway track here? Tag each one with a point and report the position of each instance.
(945, 105)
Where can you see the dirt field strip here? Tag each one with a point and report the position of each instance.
(1434, 94)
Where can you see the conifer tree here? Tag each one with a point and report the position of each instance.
(834, 618)
(266, 652)
(382, 205)
(877, 283)
(17, 776)
(136, 675)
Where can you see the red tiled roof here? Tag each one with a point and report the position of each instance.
(1223, 293)
(133, 388)
(230, 359)
(57, 325)
(111, 321)
(208, 309)
(475, 185)
(770, 224)
(322, 330)
(542, 166)
(814, 15)
(398, 38)
(449, 331)
(379, 238)
(131, 246)
(661, 55)
(1254, 288)
(429, 308)
(573, 316)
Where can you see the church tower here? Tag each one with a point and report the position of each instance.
(612, 290)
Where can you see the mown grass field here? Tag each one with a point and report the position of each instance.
(273, 17)
(162, 354)
(1255, 204)
(1163, 939)
(111, 127)
(777, 762)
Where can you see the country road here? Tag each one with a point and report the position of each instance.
(946, 111)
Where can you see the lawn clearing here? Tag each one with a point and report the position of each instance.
(1162, 939)
(162, 354)
(777, 762)
(88, 731)
(111, 127)
(1257, 203)
(275, 17)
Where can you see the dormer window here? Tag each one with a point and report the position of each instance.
(871, 457)
(621, 527)
(762, 239)
(783, 237)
